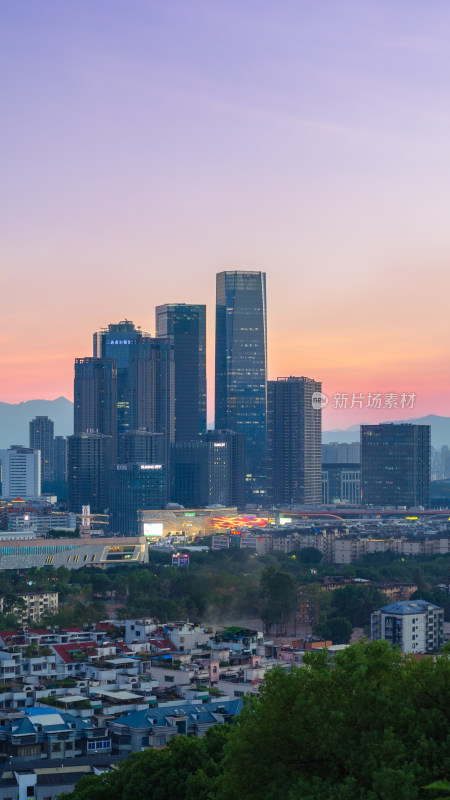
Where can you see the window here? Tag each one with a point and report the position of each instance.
(169, 678)
(93, 557)
(56, 747)
(85, 558)
(30, 791)
(99, 744)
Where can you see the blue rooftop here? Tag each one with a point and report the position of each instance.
(407, 607)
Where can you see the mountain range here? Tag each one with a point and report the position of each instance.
(440, 430)
(15, 418)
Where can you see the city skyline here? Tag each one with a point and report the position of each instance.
(151, 147)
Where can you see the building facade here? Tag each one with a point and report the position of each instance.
(415, 626)
(294, 442)
(42, 431)
(395, 464)
(89, 464)
(21, 473)
(185, 325)
(241, 369)
(341, 483)
(95, 398)
(133, 488)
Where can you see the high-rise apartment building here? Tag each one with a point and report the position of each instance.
(241, 369)
(185, 325)
(41, 438)
(415, 626)
(89, 465)
(395, 464)
(294, 442)
(21, 473)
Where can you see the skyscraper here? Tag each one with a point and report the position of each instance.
(395, 464)
(145, 378)
(60, 459)
(241, 368)
(95, 398)
(133, 488)
(186, 326)
(41, 438)
(89, 465)
(294, 442)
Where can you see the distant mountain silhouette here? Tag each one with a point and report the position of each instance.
(15, 418)
(440, 430)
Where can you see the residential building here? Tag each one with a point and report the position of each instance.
(241, 369)
(294, 442)
(41, 438)
(185, 325)
(36, 605)
(416, 626)
(395, 464)
(341, 453)
(21, 472)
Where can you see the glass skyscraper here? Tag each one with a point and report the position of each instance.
(241, 368)
(395, 464)
(186, 327)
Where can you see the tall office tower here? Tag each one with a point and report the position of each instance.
(95, 398)
(145, 378)
(141, 447)
(41, 438)
(294, 442)
(395, 464)
(60, 459)
(151, 389)
(89, 464)
(21, 473)
(226, 467)
(133, 488)
(241, 369)
(118, 341)
(209, 471)
(186, 326)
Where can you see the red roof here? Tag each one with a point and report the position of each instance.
(121, 646)
(162, 644)
(41, 632)
(73, 630)
(64, 650)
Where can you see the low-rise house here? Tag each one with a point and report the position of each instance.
(49, 733)
(155, 727)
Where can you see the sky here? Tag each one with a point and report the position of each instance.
(148, 144)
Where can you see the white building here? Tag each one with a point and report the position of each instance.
(21, 473)
(416, 626)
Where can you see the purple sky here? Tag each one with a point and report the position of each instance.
(148, 145)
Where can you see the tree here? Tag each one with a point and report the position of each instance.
(356, 603)
(310, 556)
(280, 592)
(338, 629)
(371, 726)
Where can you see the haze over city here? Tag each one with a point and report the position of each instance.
(150, 145)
